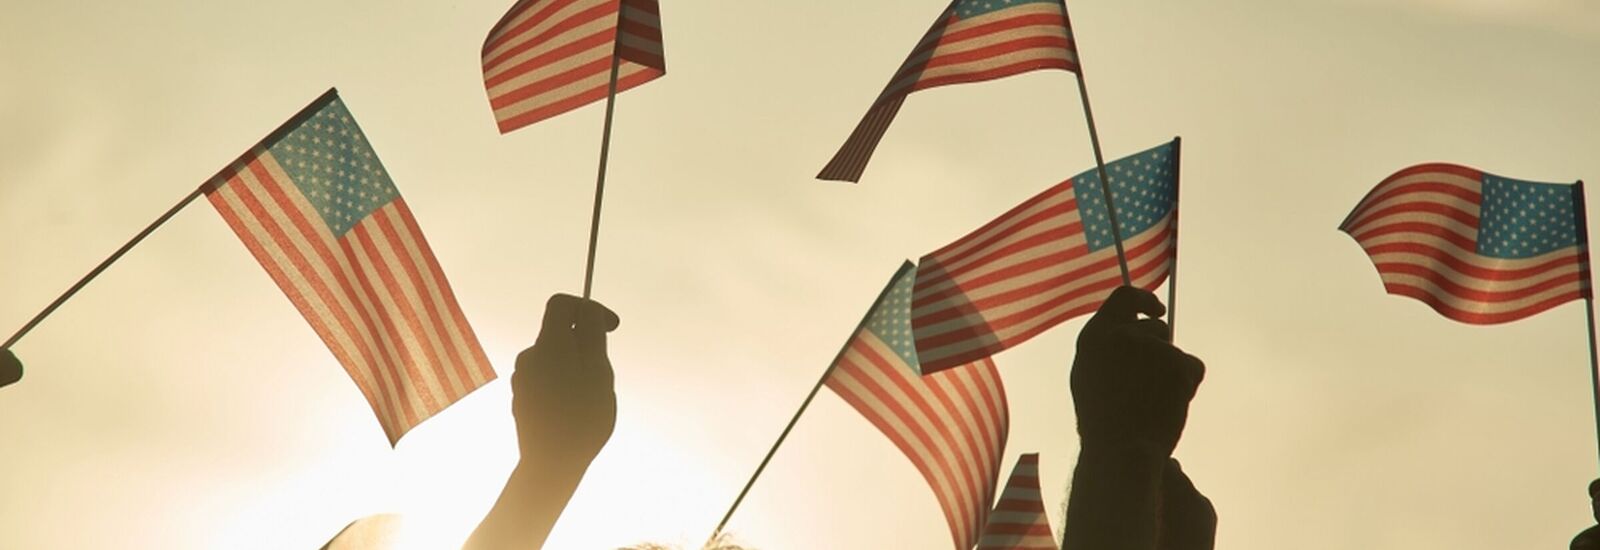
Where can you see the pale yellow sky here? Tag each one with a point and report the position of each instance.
(181, 402)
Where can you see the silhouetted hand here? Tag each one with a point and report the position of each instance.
(1129, 384)
(563, 391)
(10, 368)
(1589, 539)
(1188, 521)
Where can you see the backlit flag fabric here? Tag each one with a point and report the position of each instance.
(1476, 247)
(972, 41)
(1018, 521)
(1048, 260)
(952, 425)
(318, 210)
(547, 57)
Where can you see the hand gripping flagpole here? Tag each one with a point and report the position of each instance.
(605, 152)
(1588, 302)
(807, 403)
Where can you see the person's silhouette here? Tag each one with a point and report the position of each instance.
(10, 368)
(565, 405)
(1589, 539)
(1131, 389)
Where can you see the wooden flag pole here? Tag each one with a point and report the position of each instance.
(605, 152)
(102, 267)
(1594, 365)
(807, 403)
(1588, 302)
(1105, 182)
(1172, 273)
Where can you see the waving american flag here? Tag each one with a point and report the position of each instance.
(1019, 521)
(1048, 260)
(313, 204)
(547, 57)
(1476, 247)
(972, 41)
(951, 425)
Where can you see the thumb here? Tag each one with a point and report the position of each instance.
(1124, 306)
(10, 368)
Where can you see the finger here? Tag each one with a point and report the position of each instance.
(560, 313)
(1124, 306)
(1154, 329)
(1193, 371)
(594, 321)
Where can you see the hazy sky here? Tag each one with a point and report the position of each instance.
(181, 401)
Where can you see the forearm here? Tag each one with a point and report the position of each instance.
(529, 505)
(1115, 499)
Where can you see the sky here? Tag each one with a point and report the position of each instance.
(181, 402)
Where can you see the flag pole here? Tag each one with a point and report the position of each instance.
(102, 267)
(605, 152)
(1588, 303)
(1105, 182)
(1172, 273)
(221, 175)
(804, 404)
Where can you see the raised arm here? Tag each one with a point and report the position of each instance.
(1131, 389)
(566, 408)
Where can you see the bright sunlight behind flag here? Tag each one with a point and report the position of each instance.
(972, 41)
(318, 210)
(952, 425)
(1475, 247)
(1018, 521)
(547, 57)
(1046, 261)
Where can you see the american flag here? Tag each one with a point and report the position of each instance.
(547, 57)
(1476, 247)
(972, 41)
(1048, 260)
(318, 210)
(952, 425)
(1018, 521)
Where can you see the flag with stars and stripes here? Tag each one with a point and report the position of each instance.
(972, 41)
(313, 204)
(952, 425)
(1048, 260)
(547, 57)
(1476, 247)
(1018, 521)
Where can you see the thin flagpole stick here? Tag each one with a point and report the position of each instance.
(1588, 301)
(1172, 274)
(1105, 182)
(102, 267)
(1594, 366)
(605, 152)
(804, 404)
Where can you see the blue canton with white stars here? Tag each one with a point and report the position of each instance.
(1144, 186)
(328, 158)
(971, 8)
(1523, 219)
(891, 318)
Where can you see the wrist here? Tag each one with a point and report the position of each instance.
(1134, 449)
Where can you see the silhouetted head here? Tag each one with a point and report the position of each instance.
(723, 542)
(10, 368)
